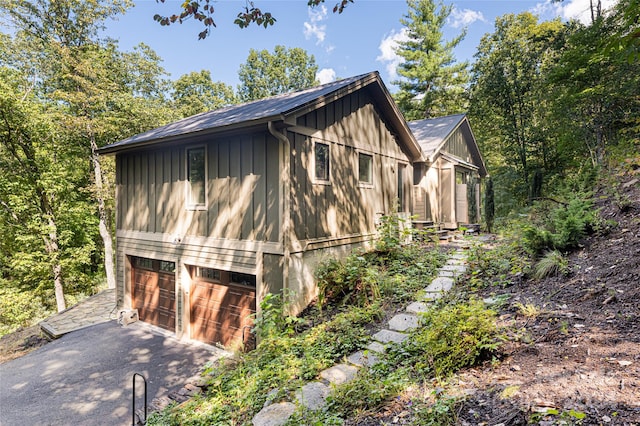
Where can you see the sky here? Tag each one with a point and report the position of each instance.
(358, 41)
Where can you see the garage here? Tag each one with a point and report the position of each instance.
(222, 306)
(154, 291)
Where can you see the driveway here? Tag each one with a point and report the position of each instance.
(85, 377)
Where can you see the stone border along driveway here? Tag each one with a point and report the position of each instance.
(313, 395)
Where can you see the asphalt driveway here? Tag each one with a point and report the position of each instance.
(85, 377)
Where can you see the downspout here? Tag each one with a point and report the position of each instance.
(285, 179)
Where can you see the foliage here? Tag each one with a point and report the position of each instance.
(349, 281)
(452, 336)
(553, 263)
(433, 84)
(498, 266)
(273, 321)
(239, 388)
(202, 11)
(285, 70)
(17, 308)
(563, 228)
(472, 200)
(195, 92)
(440, 413)
(489, 204)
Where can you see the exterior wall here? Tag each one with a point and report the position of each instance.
(457, 145)
(242, 190)
(343, 206)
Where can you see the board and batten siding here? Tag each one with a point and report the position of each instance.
(343, 206)
(243, 199)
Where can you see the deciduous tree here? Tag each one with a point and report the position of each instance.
(266, 74)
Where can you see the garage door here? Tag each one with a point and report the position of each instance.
(222, 305)
(154, 291)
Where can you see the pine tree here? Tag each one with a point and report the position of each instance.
(433, 84)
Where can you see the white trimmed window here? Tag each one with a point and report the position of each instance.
(365, 169)
(196, 178)
(322, 162)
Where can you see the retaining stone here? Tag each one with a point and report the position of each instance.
(388, 336)
(274, 414)
(313, 395)
(339, 374)
(362, 359)
(403, 322)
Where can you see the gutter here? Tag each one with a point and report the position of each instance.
(285, 178)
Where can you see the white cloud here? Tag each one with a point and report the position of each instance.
(570, 9)
(314, 27)
(326, 75)
(465, 17)
(388, 54)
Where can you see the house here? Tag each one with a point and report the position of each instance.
(217, 210)
(447, 182)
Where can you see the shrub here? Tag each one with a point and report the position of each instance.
(497, 266)
(553, 263)
(452, 337)
(353, 280)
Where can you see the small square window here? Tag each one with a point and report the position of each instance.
(365, 169)
(167, 266)
(196, 177)
(209, 274)
(322, 161)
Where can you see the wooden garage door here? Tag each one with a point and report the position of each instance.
(222, 305)
(154, 291)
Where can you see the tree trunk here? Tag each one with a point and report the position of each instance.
(109, 266)
(51, 246)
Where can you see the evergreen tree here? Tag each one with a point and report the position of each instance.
(433, 84)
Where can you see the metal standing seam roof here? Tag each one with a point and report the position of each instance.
(262, 110)
(432, 132)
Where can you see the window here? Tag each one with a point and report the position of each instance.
(196, 178)
(402, 198)
(322, 161)
(209, 274)
(365, 169)
(244, 279)
(167, 266)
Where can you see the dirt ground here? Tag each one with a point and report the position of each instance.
(578, 356)
(21, 342)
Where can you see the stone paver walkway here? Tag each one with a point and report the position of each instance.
(313, 395)
(94, 310)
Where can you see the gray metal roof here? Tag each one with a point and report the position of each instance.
(263, 110)
(432, 132)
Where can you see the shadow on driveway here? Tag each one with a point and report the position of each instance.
(85, 377)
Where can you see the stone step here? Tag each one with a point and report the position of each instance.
(363, 359)
(417, 307)
(339, 374)
(313, 395)
(376, 347)
(403, 322)
(439, 285)
(274, 414)
(389, 336)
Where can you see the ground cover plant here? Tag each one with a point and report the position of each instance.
(292, 351)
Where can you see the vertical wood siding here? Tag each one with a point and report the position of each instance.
(349, 126)
(242, 190)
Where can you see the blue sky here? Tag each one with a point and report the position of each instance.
(359, 40)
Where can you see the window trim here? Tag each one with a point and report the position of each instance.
(316, 179)
(370, 182)
(190, 205)
(401, 170)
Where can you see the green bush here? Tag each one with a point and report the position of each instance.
(563, 228)
(349, 281)
(451, 337)
(551, 264)
(497, 266)
(19, 308)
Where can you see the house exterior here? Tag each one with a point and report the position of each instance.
(447, 182)
(217, 210)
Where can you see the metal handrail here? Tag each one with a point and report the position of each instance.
(133, 400)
